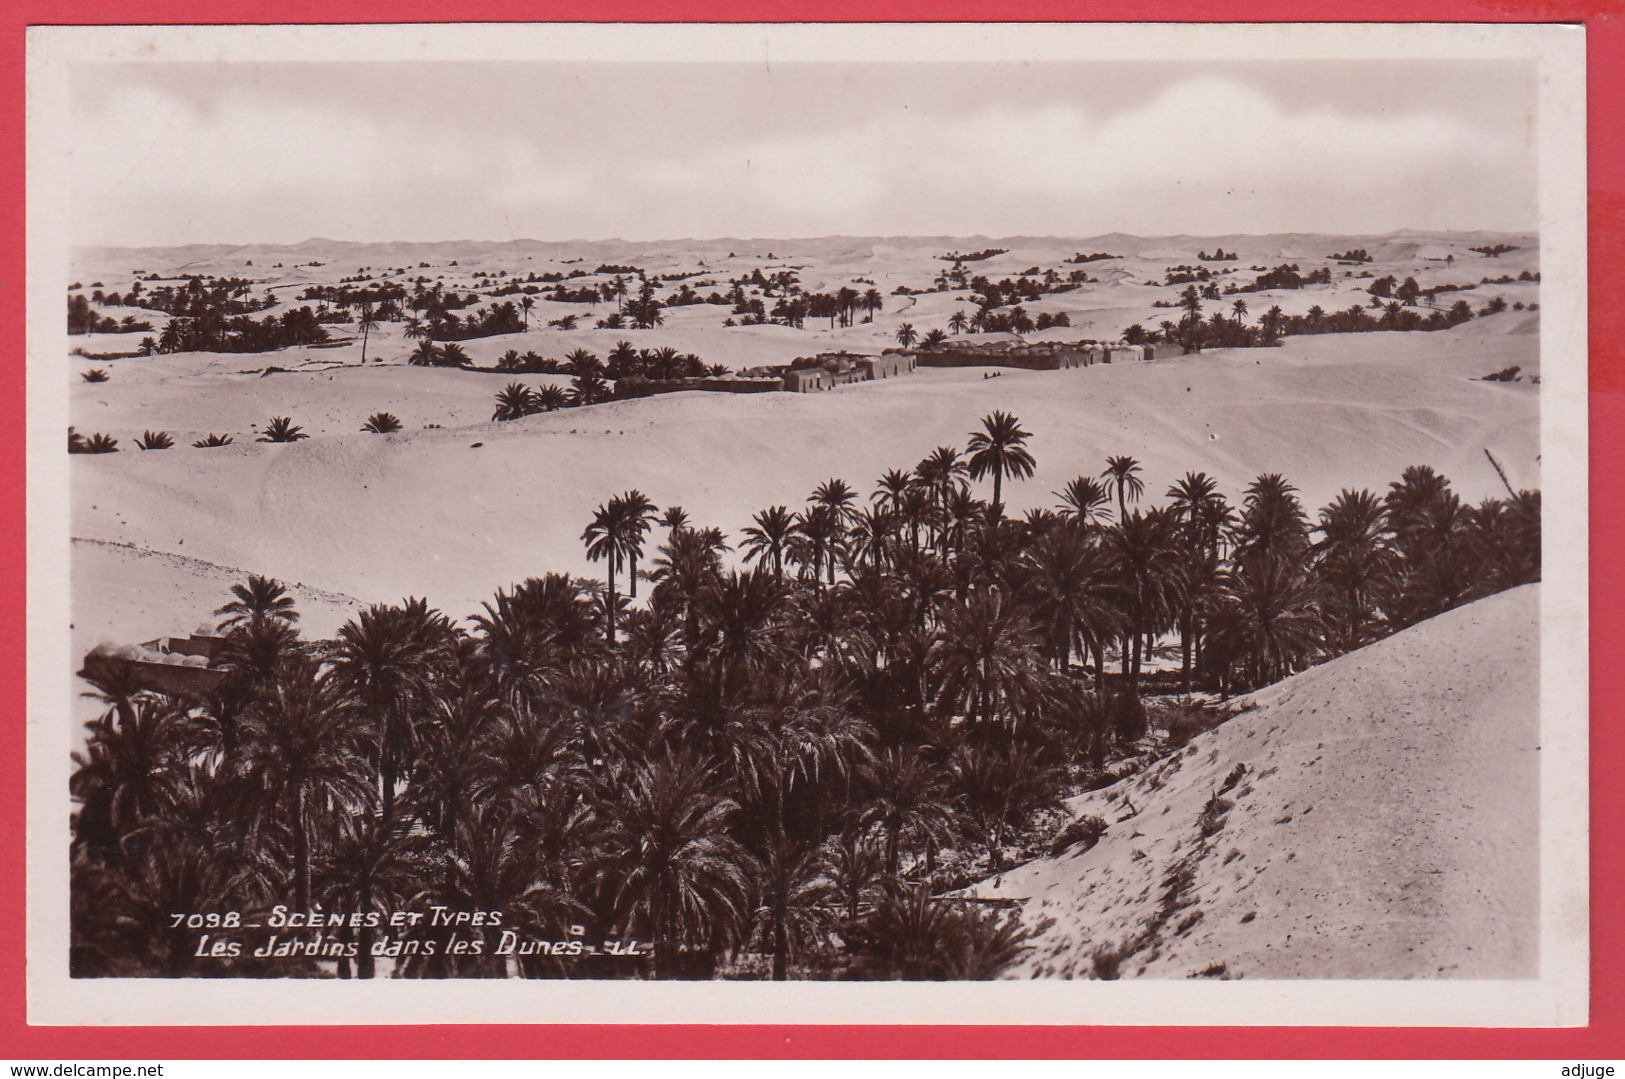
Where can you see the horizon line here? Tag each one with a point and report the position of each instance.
(1533, 230)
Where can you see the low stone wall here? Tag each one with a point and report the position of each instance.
(1040, 356)
(1029, 361)
(740, 385)
(649, 387)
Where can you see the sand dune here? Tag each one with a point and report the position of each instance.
(456, 506)
(1384, 824)
(453, 513)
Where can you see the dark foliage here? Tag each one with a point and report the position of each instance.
(775, 771)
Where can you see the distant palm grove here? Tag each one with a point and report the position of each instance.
(772, 755)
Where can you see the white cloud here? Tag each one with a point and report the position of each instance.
(1202, 155)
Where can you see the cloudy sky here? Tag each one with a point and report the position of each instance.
(234, 152)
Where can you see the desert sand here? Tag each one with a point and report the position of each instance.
(1372, 817)
(455, 506)
(1384, 824)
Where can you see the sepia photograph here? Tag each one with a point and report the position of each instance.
(808, 522)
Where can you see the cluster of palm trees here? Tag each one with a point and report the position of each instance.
(387, 300)
(429, 354)
(793, 307)
(82, 318)
(627, 372)
(774, 759)
(214, 332)
(197, 297)
(515, 401)
(1193, 332)
(440, 323)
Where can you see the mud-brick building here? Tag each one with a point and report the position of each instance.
(182, 666)
(806, 379)
(889, 364)
(825, 371)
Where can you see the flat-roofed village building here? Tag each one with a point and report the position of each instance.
(178, 665)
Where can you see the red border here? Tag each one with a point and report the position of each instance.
(1605, 21)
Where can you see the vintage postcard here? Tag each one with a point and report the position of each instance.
(820, 523)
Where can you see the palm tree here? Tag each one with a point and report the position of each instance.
(427, 354)
(673, 520)
(366, 324)
(909, 802)
(1240, 308)
(514, 402)
(640, 513)
(466, 707)
(892, 489)
(956, 322)
(1355, 565)
(769, 536)
(1196, 501)
(1000, 789)
(837, 496)
(256, 600)
(388, 660)
(282, 429)
(788, 763)
(1072, 593)
(251, 654)
(367, 871)
(1203, 515)
(820, 528)
(939, 473)
(1085, 500)
(855, 867)
(1272, 322)
(795, 910)
(526, 304)
(382, 423)
(580, 361)
(673, 873)
(1149, 564)
(999, 450)
(873, 530)
(690, 560)
(1123, 473)
(133, 767)
(588, 389)
(1268, 621)
(305, 749)
(985, 660)
(912, 934)
(1272, 519)
(550, 398)
(622, 357)
(743, 617)
(906, 335)
(605, 537)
